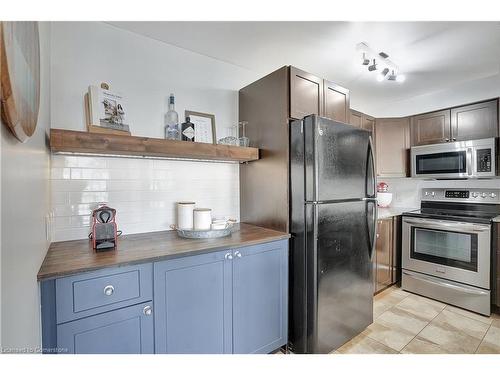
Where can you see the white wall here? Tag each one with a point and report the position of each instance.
(145, 71)
(461, 93)
(25, 202)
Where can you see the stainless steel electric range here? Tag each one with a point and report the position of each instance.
(446, 246)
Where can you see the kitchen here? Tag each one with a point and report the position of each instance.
(362, 213)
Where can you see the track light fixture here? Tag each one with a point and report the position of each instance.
(382, 74)
(381, 63)
(365, 60)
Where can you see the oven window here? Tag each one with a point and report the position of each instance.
(454, 249)
(445, 162)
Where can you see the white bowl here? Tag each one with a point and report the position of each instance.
(384, 199)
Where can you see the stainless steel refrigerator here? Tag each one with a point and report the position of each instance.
(333, 225)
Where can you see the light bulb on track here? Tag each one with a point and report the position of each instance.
(382, 75)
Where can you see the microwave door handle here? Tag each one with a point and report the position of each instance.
(469, 161)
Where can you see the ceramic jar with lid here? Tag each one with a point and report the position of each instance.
(202, 218)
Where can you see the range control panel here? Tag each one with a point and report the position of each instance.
(456, 194)
(461, 195)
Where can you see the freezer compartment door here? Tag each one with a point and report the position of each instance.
(340, 304)
(338, 161)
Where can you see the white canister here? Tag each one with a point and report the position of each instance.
(185, 215)
(202, 218)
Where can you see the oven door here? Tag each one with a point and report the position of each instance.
(452, 250)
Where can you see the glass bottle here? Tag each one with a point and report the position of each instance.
(187, 129)
(244, 141)
(171, 121)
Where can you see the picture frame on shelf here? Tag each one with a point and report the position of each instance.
(105, 111)
(204, 126)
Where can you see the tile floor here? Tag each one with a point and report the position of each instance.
(410, 324)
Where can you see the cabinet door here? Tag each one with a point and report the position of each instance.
(383, 255)
(260, 297)
(306, 94)
(475, 121)
(391, 147)
(193, 304)
(336, 105)
(368, 123)
(430, 128)
(124, 331)
(356, 119)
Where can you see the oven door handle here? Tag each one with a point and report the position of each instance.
(458, 227)
(445, 284)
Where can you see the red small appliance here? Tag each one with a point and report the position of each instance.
(104, 230)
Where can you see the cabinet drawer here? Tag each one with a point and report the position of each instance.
(104, 290)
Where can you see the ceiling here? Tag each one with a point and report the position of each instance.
(433, 55)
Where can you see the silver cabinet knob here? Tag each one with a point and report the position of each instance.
(237, 254)
(147, 310)
(228, 256)
(447, 139)
(453, 139)
(378, 235)
(109, 290)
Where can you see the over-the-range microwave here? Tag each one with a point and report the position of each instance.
(464, 159)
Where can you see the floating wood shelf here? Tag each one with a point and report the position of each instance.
(70, 141)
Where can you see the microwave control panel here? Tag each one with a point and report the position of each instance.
(483, 158)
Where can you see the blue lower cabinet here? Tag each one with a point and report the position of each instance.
(124, 331)
(229, 301)
(260, 298)
(193, 304)
(232, 301)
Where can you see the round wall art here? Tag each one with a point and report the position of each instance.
(20, 77)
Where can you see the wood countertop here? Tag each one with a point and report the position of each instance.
(71, 257)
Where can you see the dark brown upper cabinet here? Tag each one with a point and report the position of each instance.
(369, 123)
(306, 94)
(392, 141)
(268, 105)
(361, 120)
(356, 119)
(336, 105)
(430, 128)
(311, 95)
(475, 121)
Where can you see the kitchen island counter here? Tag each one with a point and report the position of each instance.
(71, 257)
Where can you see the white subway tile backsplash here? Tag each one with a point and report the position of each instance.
(88, 197)
(143, 191)
(60, 173)
(89, 174)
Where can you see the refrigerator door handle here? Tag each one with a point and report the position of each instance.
(373, 242)
(373, 181)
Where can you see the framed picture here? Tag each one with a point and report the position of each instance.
(204, 126)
